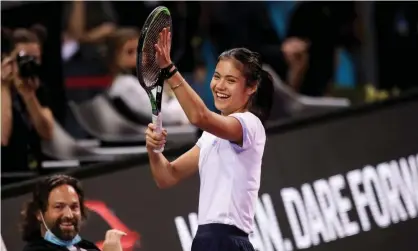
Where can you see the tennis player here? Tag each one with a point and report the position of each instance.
(229, 153)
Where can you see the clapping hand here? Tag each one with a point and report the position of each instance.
(163, 49)
(153, 139)
(112, 240)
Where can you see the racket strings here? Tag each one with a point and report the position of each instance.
(150, 69)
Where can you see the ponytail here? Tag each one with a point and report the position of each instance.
(262, 100)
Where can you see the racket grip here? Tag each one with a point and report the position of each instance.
(158, 122)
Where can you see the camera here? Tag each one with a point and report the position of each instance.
(27, 65)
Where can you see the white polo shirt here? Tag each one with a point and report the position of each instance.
(230, 175)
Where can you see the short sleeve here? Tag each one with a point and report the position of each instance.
(251, 125)
(203, 140)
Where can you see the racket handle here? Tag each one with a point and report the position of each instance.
(158, 122)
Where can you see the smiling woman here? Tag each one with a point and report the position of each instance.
(245, 85)
(229, 153)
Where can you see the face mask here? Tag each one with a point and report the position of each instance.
(50, 237)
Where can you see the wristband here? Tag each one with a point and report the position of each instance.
(166, 73)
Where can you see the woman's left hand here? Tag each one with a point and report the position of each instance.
(163, 49)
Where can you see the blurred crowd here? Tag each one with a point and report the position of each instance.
(315, 49)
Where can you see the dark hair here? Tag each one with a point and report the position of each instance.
(35, 34)
(262, 100)
(30, 225)
(114, 43)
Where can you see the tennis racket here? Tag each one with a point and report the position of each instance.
(148, 71)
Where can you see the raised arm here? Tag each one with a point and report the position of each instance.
(77, 24)
(226, 127)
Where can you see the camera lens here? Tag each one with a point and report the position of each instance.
(28, 67)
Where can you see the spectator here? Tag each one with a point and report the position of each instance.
(315, 31)
(26, 118)
(126, 92)
(52, 219)
(87, 24)
(296, 56)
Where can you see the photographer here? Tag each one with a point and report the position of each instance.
(25, 116)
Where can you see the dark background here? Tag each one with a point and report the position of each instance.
(294, 155)
(391, 54)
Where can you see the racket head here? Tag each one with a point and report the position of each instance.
(148, 71)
